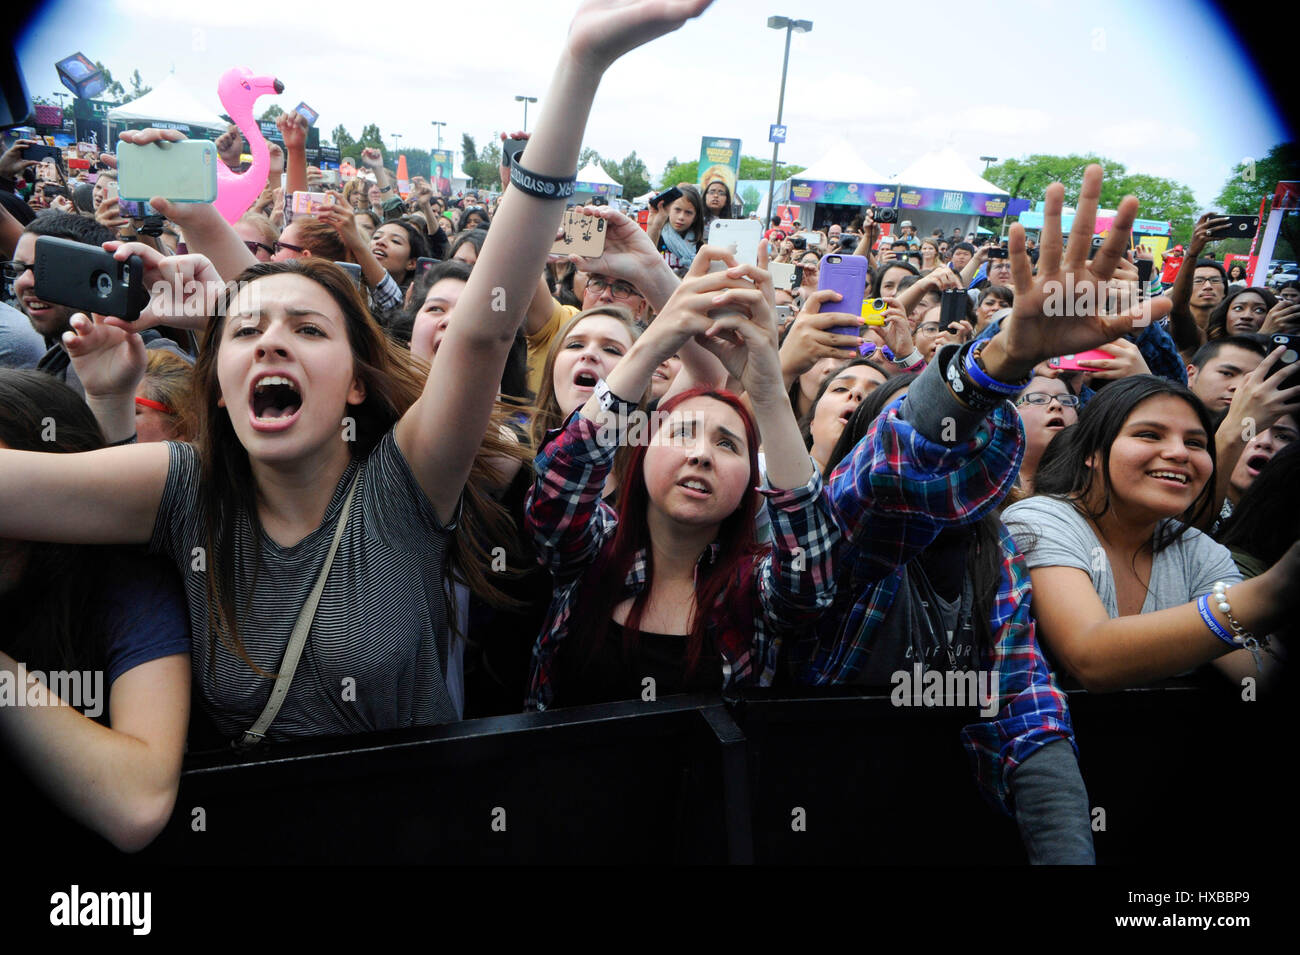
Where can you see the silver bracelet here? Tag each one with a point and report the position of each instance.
(913, 359)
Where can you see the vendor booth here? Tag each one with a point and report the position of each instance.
(938, 191)
(836, 188)
(594, 181)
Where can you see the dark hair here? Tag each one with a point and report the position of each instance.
(1267, 520)
(1236, 267)
(715, 583)
(962, 245)
(322, 240)
(1064, 472)
(859, 423)
(474, 237)
(885, 267)
(51, 620)
(371, 215)
(1211, 264)
(467, 212)
(68, 225)
(1000, 291)
(727, 208)
(419, 245)
(393, 382)
(805, 421)
(1210, 350)
(692, 195)
(1217, 326)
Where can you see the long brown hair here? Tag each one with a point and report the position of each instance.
(548, 414)
(393, 381)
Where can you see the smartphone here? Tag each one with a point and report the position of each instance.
(87, 278)
(783, 275)
(1237, 227)
(42, 153)
(307, 203)
(783, 314)
(329, 177)
(181, 172)
(1289, 362)
(873, 310)
(423, 264)
(135, 210)
(353, 270)
(953, 303)
(667, 197)
(510, 151)
(307, 113)
(846, 274)
(996, 252)
(741, 236)
(1144, 267)
(1071, 362)
(811, 238)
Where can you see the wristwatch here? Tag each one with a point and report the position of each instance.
(612, 402)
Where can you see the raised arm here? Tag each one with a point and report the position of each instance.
(1188, 335)
(293, 130)
(441, 432)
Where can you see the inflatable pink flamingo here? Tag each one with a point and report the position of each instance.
(238, 90)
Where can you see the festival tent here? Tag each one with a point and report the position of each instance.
(168, 102)
(939, 190)
(836, 187)
(594, 181)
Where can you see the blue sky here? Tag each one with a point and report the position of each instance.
(1115, 78)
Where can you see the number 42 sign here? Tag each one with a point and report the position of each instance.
(776, 133)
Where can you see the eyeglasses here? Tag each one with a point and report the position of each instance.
(930, 328)
(1042, 398)
(14, 270)
(618, 289)
(292, 248)
(1214, 280)
(254, 246)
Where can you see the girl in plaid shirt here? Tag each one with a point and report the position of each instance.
(645, 596)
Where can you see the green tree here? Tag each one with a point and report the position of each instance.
(138, 88)
(371, 138)
(631, 174)
(1250, 184)
(272, 113)
(114, 91)
(343, 141)
(752, 167)
(482, 171)
(676, 172)
(588, 157)
(749, 195)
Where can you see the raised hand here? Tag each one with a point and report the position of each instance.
(1201, 234)
(108, 355)
(1060, 311)
(109, 214)
(277, 162)
(1282, 317)
(811, 337)
(184, 289)
(230, 146)
(896, 333)
(603, 30)
(627, 248)
(372, 158)
(12, 162)
(293, 129)
(1128, 361)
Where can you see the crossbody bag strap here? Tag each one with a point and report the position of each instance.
(298, 639)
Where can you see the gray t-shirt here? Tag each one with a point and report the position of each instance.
(376, 657)
(1051, 533)
(21, 346)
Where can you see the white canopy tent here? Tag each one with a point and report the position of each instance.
(945, 170)
(168, 102)
(841, 164)
(595, 177)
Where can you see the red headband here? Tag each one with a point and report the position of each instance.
(155, 405)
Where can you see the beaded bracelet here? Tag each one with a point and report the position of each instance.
(1240, 636)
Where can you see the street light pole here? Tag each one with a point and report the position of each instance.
(396, 137)
(439, 124)
(789, 25)
(525, 100)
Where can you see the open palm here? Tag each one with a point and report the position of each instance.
(603, 30)
(108, 359)
(1060, 310)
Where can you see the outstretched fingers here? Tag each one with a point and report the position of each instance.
(1049, 249)
(1085, 218)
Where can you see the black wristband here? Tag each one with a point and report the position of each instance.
(543, 187)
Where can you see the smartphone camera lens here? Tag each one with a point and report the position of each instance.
(103, 284)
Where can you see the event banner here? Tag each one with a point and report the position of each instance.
(719, 159)
(440, 171)
(843, 193)
(961, 203)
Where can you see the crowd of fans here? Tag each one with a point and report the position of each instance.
(464, 477)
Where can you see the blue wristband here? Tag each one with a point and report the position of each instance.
(1216, 628)
(981, 379)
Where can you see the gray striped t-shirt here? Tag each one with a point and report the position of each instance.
(377, 652)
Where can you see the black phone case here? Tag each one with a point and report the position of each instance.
(1238, 227)
(951, 307)
(510, 151)
(89, 279)
(42, 153)
(668, 195)
(1289, 362)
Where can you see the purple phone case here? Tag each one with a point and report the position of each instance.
(848, 277)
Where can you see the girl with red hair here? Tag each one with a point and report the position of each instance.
(672, 591)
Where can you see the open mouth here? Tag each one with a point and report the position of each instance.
(1056, 422)
(275, 402)
(584, 378)
(1177, 478)
(1255, 463)
(697, 488)
(379, 253)
(35, 306)
(846, 414)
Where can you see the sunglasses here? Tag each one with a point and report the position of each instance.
(254, 246)
(14, 270)
(292, 248)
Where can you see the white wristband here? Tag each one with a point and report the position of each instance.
(913, 359)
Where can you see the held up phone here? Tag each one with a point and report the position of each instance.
(180, 172)
(42, 153)
(1144, 267)
(1237, 227)
(353, 270)
(952, 307)
(783, 275)
(1288, 363)
(510, 151)
(330, 177)
(783, 314)
(741, 236)
(89, 279)
(307, 113)
(667, 197)
(135, 210)
(308, 203)
(811, 238)
(846, 274)
(423, 264)
(1071, 362)
(996, 252)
